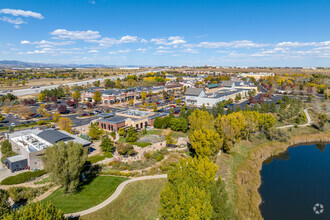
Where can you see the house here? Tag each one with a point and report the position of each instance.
(125, 119)
(192, 95)
(31, 143)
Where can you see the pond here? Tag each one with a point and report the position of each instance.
(296, 184)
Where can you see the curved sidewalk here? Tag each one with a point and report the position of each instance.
(114, 195)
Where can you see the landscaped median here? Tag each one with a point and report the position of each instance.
(90, 194)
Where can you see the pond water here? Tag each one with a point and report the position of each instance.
(296, 184)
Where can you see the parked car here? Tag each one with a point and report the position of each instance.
(12, 124)
(84, 114)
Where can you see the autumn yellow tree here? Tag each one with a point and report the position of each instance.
(205, 142)
(201, 119)
(65, 124)
(186, 194)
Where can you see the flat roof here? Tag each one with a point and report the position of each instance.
(16, 158)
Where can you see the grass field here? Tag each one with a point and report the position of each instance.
(139, 200)
(90, 195)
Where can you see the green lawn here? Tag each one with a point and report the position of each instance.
(139, 200)
(90, 195)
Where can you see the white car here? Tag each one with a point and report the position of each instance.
(12, 124)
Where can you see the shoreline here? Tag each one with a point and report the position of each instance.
(247, 178)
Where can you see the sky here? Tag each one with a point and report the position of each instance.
(167, 32)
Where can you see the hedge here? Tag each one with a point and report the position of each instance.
(23, 177)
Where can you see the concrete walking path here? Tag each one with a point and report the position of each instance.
(309, 121)
(114, 195)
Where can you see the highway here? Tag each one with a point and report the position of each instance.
(22, 92)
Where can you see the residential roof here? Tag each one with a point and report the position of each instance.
(15, 158)
(193, 91)
(53, 136)
(212, 86)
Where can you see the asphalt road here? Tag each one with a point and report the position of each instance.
(22, 92)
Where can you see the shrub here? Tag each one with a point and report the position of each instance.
(141, 144)
(159, 157)
(41, 122)
(97, 158)
(22, 177)
(18, 194)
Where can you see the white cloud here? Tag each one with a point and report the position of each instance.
(106, 41)
(144, 41)
(303, 44)
(234, 44)
(76, 35)
(45, 43)
(143, 50)
(174, 40)
(18, 12)
(163, 48)
(164, 51)
(12, 21)
(120, 51)
(190, 50)
(93, 51)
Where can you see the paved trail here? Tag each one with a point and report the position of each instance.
(114, 195)
(309, 121)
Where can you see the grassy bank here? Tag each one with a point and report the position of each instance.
(98, 190)
(139, 200)
(241, 169)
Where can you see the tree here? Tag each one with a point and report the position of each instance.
(56, 116)
(121, 132)
(322, 121)
(62, 109)
(97, 96)
(126, 149)
(179, 124)
(41, 97)
(186, 195)
(95, 132)
(205, 142)
(38, 211)
(107, 144)
(42, 111)
(131, 102)
(178, 101)
(23, 83)
(118, 84)
(266, 121)
(131, 135)
(89, 105)
(220, 201)
(1, 117)
(170, 140)
(65, 123)
(76, 94)
(4, 203)
(201, 119)
(65, 162)
(143, 95)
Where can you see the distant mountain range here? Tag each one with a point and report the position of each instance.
(21, 64)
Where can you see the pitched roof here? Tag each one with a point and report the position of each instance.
(53, 136)
(227, 83)
(193, 91)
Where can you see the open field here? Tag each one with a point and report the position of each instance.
(241, 169)
(258, 70)
(98, 190)
(139, 200)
